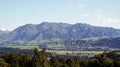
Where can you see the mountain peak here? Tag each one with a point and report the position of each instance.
(3, 29)
(61, 31)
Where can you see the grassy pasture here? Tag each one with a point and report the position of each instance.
(22, 46)
(63, 52)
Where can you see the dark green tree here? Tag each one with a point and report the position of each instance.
(12, 59)
(116, 62)
(3, 63)
(24, 61)
(84, 63)
(40, 59)
(16, 60)
(100, 60)
(73, 62)
(54, 62)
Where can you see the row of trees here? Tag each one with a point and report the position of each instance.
(40, 60)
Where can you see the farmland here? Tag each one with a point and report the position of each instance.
(63, 52)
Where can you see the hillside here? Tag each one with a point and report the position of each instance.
(67, 36)
(98, 44)
(3, 32)
(61, 31)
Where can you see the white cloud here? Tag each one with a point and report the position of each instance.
(111, 20)
(70, 6)
(85, 15)
(3, 29)
(76, 6)
(80, 5)
(98, 11)
(99, 16)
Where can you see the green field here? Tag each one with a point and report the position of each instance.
(22, 46)
(59, 52)
(63, 52)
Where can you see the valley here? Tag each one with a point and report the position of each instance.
(59, 33)
(62, 36)
(61, 43)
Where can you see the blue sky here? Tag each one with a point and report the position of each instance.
(14, 13)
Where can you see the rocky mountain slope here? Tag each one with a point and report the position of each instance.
(61, 31)
(3, 32)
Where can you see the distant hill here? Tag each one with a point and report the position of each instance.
(114, 54)
(98, 44)
(61, 31)
(3, 31)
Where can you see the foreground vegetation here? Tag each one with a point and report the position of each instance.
(39, 59)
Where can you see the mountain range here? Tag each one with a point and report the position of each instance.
(48, 31)
(62, 31)
(4, 31)
(1, 31)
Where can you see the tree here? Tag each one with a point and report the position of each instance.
(3, 63)
(24, 61)
(73, 62)
(54, 62)
(100, 60)
(116, 62)
(16, 60)
(84, 63)
(39, 59)
(12, 59)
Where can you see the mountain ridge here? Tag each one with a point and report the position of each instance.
(61, 31)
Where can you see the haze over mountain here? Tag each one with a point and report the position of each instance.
(61, 31)
(3, 31)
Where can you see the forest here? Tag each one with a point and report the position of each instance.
(39, 59)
